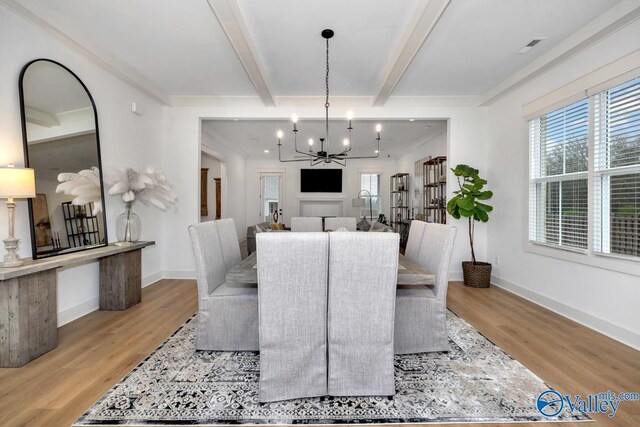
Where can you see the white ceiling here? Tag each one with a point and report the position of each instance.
(287, 36)
(474, 45)
(254, 136)
(180, 48)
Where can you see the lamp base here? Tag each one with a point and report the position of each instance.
(11, 258)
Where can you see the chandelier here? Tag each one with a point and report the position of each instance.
(323, 155)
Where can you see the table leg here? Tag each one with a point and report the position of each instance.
(28, 318)
(120, 281)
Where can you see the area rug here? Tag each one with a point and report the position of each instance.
(176, 385)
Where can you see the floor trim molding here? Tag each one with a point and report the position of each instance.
(602, 326)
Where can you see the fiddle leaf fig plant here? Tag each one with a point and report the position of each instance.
(466, 203)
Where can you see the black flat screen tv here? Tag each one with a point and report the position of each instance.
(321, 180)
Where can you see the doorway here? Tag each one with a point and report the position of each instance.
(271, 204)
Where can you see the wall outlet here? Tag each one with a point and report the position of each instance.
(496, 260)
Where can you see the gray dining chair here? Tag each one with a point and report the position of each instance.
(363, 270)
(421, 311)
(292, 299)
(306, 223)
(229, 242)
(414, 242)
(227, 314)
(340, 222)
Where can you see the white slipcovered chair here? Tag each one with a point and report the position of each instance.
(229, 242)
(421, 312)
(414, 242)
(292, 290)
(227, 313)
(306, 223)
(334, 223)
(363, 270)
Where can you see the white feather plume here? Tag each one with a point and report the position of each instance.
(150, 187)
(84, 186)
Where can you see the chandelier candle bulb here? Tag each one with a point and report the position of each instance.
(322, 153)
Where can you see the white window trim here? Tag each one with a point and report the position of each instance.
(613, 262)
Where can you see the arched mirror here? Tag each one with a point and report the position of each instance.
(62, 145)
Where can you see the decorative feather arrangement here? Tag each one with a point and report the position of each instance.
(84, 186)
(150, 187)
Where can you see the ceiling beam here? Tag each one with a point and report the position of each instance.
(230, 18)
(93, 53)
(427, 14)
(614, 19)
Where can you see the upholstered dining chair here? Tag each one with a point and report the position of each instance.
(421, 311)
(306, 223)
(414, 242)
(334, 223)
(227, 313)
(363, 270)
(292, 298)
(229, 242)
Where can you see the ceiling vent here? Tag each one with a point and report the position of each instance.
(531, 44)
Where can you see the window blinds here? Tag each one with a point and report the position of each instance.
(558, 193)
(617, 170)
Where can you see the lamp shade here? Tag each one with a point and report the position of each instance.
(357, 203)
(17, 183)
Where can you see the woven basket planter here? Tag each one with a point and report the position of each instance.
(476, 275)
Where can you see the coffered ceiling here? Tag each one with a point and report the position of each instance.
(273, 48)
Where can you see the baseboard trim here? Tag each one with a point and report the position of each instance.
(179, 274)
(77, 311)
(602, 326)
(86, 307)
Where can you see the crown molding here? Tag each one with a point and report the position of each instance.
(230, 18)
(614, 19)
(338, 103)
(94, 54)
(426, 14)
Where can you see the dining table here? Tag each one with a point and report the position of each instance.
(410, 273)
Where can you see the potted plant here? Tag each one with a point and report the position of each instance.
(466, 204)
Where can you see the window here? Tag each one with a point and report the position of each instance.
(563, 174)
(371, 183)
(558, 192)
(617, 170)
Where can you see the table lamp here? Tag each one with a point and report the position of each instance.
(15, 183)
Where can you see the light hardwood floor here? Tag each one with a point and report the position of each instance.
(94, 352)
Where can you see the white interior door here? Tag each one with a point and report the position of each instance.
(271, 197)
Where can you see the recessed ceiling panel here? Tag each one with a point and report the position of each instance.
(178, 45)
(475, 43)
(287, 37)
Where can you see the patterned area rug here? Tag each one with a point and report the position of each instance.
(176, 385)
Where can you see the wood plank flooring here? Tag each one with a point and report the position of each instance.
(96, 351)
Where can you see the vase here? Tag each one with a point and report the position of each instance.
(128, 226)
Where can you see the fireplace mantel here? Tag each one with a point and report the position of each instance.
(312, 205)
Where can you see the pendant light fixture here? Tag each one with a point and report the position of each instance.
(322, 155)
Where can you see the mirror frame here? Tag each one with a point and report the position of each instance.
(35, 255)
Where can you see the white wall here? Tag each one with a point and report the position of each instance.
(126, 139)
(602, 299)
(214, 166)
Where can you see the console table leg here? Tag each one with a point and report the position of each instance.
(28, 318)
(120, 281)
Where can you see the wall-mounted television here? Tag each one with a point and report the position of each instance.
(321, 180)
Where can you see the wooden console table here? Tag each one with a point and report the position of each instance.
(28, 297)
